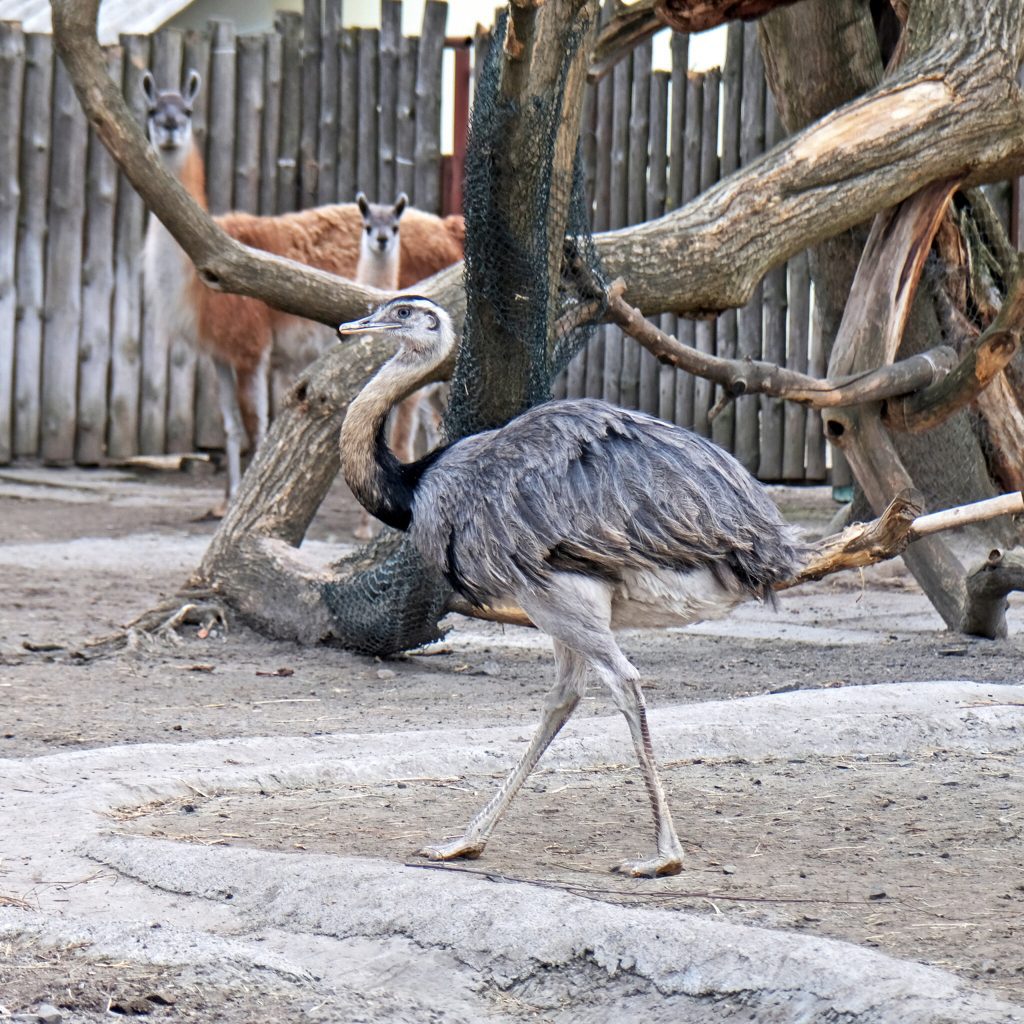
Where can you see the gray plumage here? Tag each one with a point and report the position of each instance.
(583, 486)
(587, 516)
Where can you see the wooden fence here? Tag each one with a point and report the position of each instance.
(307, 114)
(654, 140)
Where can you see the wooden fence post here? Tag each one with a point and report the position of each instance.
(327, 144)
(617, 196)
(817, 364)
(12, 77)
(773, 346)
(794, 458)
(705, 330)
(732, 79)
(387, 70)
(348, 114)
(208, 431)
(34, 166)
(635, 359)
(747, 443)
(97, 293)
(594, 376)
(690, 185)
(428, 106)
(63, 273)
(126, 328)
(270, 133)
(405, 121)
(662, 401)
(366, 115)
(309, 140)
(289, 27)
(672, 380)
(249, 122)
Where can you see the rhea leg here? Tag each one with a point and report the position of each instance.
(629, 699)
(577, 611)
(560, 703)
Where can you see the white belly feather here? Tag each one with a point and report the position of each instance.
(664, 597)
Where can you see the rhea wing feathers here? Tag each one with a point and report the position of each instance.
(584, 486)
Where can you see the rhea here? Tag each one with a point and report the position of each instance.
(589, 517)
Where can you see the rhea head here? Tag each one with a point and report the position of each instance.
(421, 328)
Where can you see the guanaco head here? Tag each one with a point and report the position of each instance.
(380, 223)
(170, 113)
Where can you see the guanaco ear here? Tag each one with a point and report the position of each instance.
(148, 86)
(363, 204)
(400, 204)
(191, 90)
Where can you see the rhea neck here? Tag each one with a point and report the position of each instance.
(384, 486)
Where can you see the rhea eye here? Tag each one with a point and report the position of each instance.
(403, 312)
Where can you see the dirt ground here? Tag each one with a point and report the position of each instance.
(912, 849)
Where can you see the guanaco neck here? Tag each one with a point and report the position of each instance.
(378, 269)
(186, 164)
(384, 486)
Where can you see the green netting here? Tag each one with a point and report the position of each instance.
(520, 331)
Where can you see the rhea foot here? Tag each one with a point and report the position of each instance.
(466, 849)
(652, 867)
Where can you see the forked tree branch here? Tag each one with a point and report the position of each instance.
(755, 376)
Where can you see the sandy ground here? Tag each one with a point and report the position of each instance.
(820, 796)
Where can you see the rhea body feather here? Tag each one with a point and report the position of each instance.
(673, 527)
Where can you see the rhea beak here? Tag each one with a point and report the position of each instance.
(364, 326)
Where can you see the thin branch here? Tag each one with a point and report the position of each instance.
(744, 376)
(862, 544)
(964, 515)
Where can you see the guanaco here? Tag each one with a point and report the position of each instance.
(243, 334)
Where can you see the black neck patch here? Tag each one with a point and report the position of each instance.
(397, 482)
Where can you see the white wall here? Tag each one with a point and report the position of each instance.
(248, 15)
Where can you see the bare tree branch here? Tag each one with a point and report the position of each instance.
(700, 15)
(746, 376)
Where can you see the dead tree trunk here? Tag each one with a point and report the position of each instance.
(815, 54)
